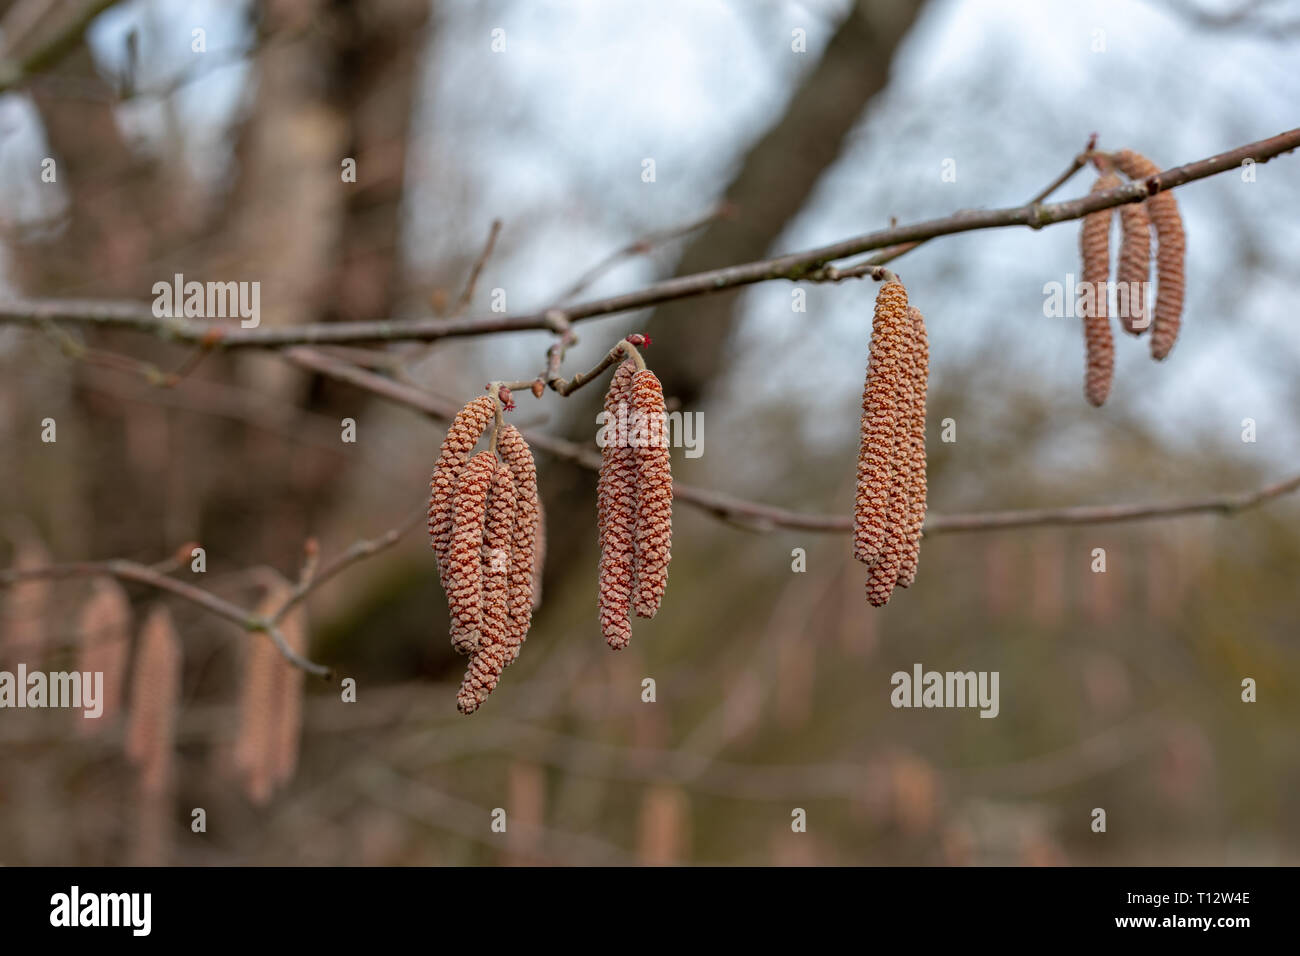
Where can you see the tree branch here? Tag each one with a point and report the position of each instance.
(795, 266)
(760, 517)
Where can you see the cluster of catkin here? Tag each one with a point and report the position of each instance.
(1134, 268)
(890, 506)
(485, 526)
(634, 502)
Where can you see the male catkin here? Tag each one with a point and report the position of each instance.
(654, 493)
(883, 574)
(105, 629)
(1094, 246)
(917, 484)
(1171, 248)
(270, 710)
(616, 514)
(466, 429)
(524, 556)
(493, 651)
(257, 706)
(463, 573)
(891, 337)
(1134, 267)
(155, 694)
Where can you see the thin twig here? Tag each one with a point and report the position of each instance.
(1076, 164)
(467, 295)
(355, 552)
(640, 247)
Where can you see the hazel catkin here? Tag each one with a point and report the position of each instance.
(1134, 267)
(1171, 249)
(155, 695)
(270, 708)
(493, 650)
(654, 493)
(463, 574)
(1094, 246)
(891, 333)
(539, 556)
(917, 479)
(105, 630)
(884, 572)
(616, 513)
(463, 434)
(524, 555)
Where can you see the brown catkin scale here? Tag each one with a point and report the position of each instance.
(1171, 248)
(916, 494)
(891, 333)
(1134, 267)
(466, 429)
(1094, 246)
(463, 574)
(518, 459)
(494, 650)
(104, 626)
(616, 514)
(654, 493)
(155, 694)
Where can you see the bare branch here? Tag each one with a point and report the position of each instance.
(760, 517)
(795, 266)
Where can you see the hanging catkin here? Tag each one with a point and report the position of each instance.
(463, 574)
(1171, 247)
(494, 649)
(1094, 245)
(524, 556)
(257, 712)
(270, 709)
(616, 513)
(104, 626)
(24, 623)
(288, 694)
(916, 494)
(1134, 267)
(891, 335)
(539, 557)
(883, 575)
(155, 694)
(462, 436)
(654, 493)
